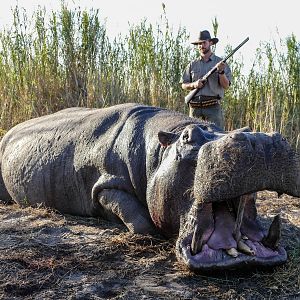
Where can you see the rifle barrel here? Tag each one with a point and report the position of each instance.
(236, 49)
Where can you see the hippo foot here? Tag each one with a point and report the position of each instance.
(226, 235)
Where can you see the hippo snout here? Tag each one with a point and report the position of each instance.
(222, 230)
(243, 163)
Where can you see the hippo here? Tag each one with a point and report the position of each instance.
(159, 172)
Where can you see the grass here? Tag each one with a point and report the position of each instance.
(52, 60)
(268, 99)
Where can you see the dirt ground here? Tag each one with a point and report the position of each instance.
(46, 255)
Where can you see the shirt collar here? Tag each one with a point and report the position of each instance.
(211, 58)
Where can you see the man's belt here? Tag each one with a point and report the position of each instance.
(203, 101)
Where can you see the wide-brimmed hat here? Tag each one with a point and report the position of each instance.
(204, 36)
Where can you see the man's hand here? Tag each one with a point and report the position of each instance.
(198, 84)
(220, 66)
(223, 80)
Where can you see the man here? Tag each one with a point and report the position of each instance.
(206, 104)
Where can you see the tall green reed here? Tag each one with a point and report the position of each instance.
(65, 58)
(268, 98)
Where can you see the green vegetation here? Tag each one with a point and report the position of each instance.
(268, 99)
(52, 61)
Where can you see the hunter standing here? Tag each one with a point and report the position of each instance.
(206, 104)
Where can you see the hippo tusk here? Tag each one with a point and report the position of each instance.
(232, 252)
(196, 245)
(245, 248)
(273, 237)
(239, 218)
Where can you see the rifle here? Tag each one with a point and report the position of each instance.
(192, 93)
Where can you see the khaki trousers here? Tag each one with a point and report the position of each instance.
(212, 114)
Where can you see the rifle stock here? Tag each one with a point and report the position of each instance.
(190, 96)
(193, 92)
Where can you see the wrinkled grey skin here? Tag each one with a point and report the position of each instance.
(154, 170)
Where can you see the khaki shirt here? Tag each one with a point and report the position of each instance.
(198, 68)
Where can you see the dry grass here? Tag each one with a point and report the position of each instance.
(45, 255)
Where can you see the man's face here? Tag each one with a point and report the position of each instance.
(204, 47)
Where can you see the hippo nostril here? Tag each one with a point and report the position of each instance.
(277, 137)
(239, 136)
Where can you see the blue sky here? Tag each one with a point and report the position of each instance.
(261, 20)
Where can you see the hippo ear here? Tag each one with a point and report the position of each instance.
(166, 138)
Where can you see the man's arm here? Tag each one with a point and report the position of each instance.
(186, 79)
(198, 84)
(223, 80)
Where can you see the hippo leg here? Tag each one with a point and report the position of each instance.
(128, 209)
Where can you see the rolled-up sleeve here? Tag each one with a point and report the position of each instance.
(186, 76)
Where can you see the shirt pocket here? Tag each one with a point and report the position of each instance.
(215, 76)
(195, 75)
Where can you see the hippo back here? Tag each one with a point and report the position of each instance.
(56, 159)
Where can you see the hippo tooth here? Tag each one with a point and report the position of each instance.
(196, 241)
(273, 237)
(239, 217)
(245, 248)
(232, 252)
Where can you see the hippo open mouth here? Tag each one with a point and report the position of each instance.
(222, 230)
(225, 235)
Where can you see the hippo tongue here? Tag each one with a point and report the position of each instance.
(220, 226)
(222, 237)
(227, 234)
(228, 227)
